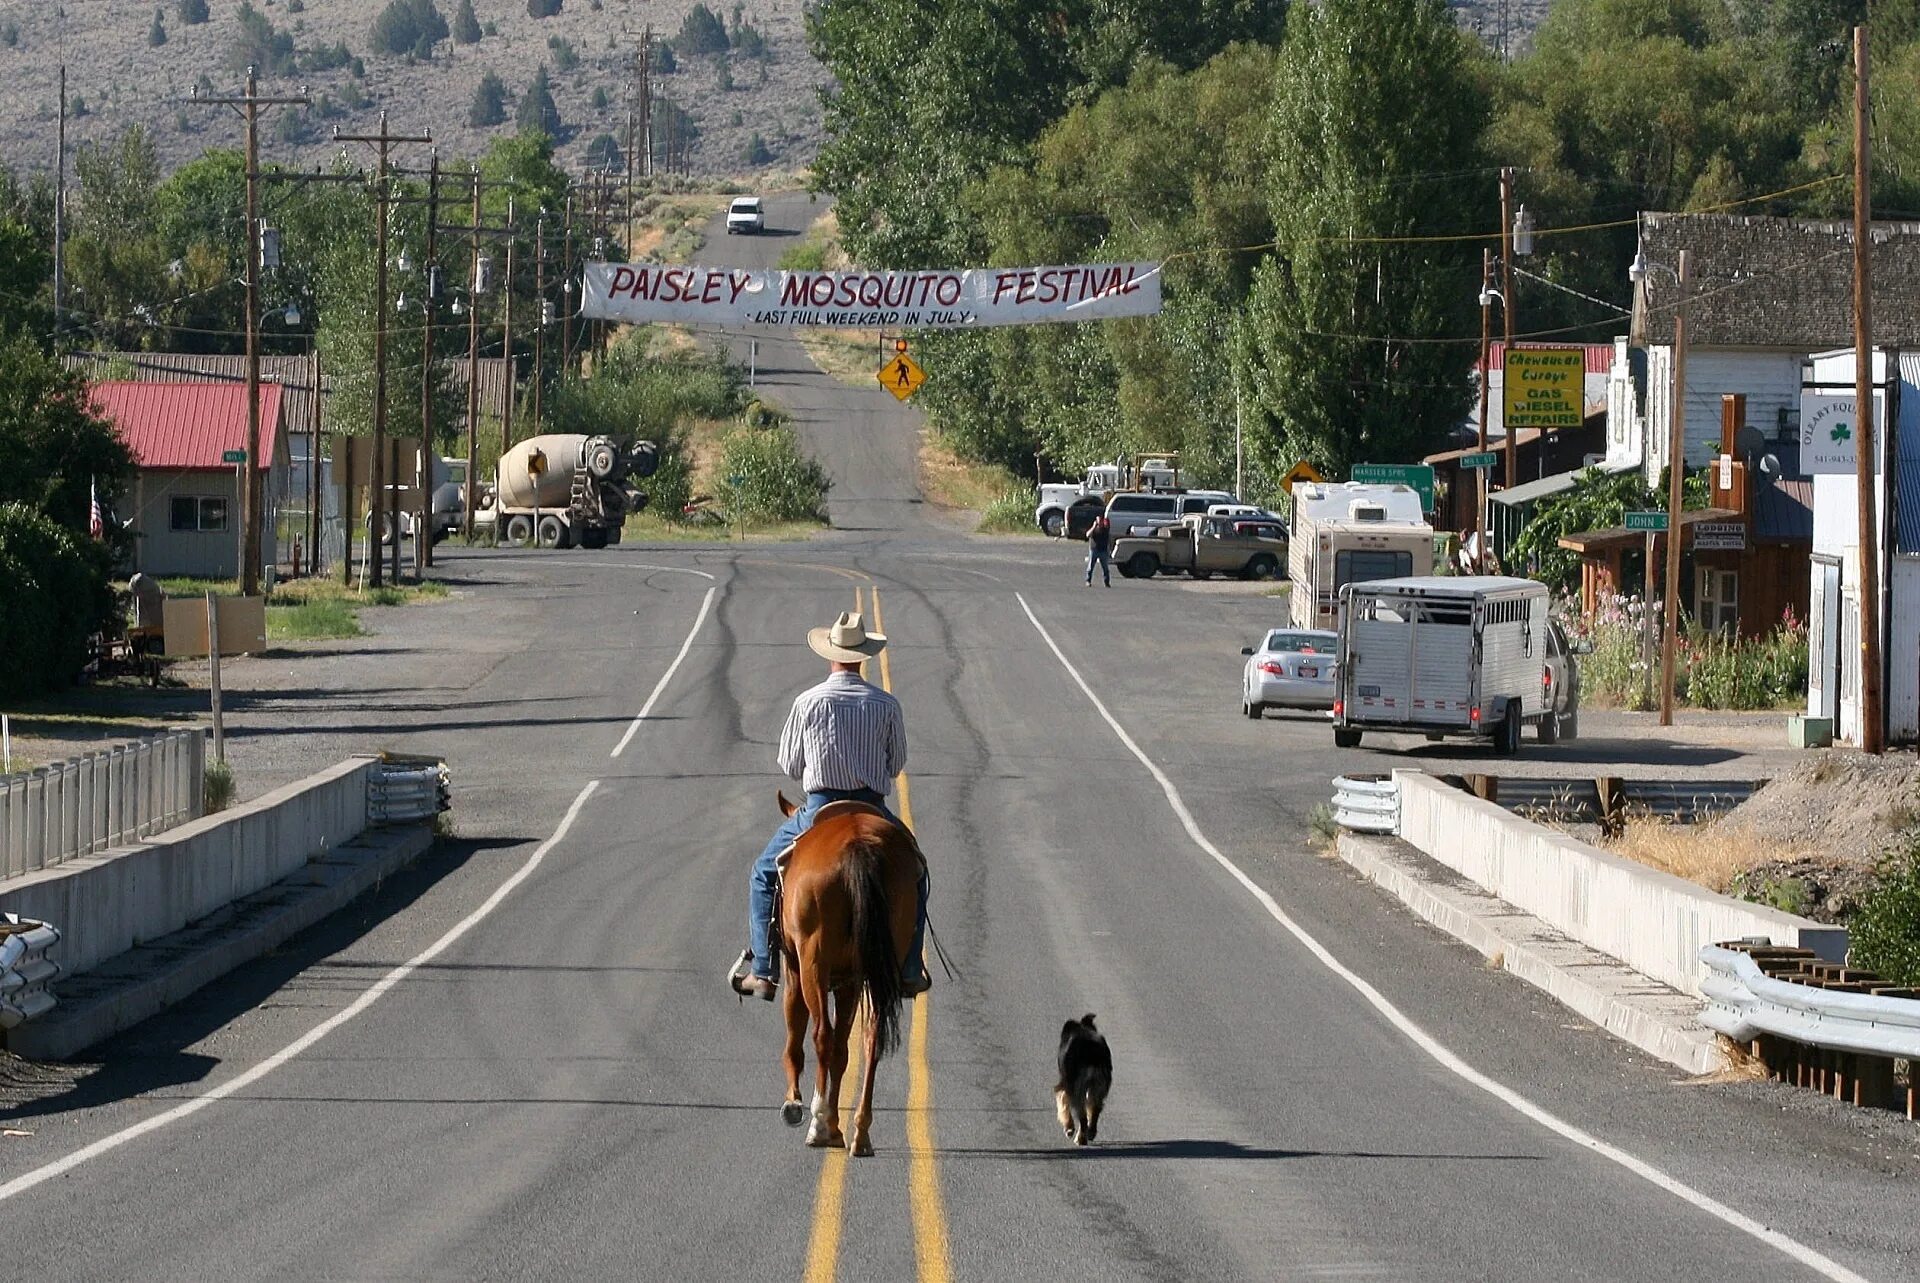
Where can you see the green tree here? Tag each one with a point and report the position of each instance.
(604, 153)
(701, 32)
(261, 45)
(115, 262)
(489, 106)
(55, 443)
(193, 12)
(757, 153)
(57, 593)
(537, 111)
(466, 27)
(600, 100)
(543, 8)
(157, 33)
(664, 63)
(1348, 324)
(408, 27)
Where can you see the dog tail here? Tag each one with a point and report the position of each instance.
(872, 923)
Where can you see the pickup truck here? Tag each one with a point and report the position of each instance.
(1204, 547)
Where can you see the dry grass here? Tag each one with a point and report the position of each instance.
(952, 482)
(1711, 854)
(851, 356)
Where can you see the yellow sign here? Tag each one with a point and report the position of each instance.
(902, 376)
(1545, 388)
(1301, 471)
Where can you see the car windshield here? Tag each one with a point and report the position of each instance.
(1296, 643)
(747, 205)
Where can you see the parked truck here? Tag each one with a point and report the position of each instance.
(565, 490)
(1160, 471)
(1346, 532)
(1204, 546)
(1469, 655)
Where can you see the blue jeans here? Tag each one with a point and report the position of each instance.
(764, 877)
(1105, 560)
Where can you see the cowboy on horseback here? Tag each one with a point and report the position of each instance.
(844, 739)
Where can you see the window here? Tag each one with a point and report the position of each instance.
(1717, 599)
(1359, 566)
(1299, 643)
(194, 512)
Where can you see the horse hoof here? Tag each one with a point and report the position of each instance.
(819, 1137)
(863, 1148)
(792, 1113)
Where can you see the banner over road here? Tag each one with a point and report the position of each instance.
(735, 298)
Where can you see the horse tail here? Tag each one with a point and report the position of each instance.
(872, 923)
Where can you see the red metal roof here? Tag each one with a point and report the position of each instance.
(1599, 355)
(187, 425)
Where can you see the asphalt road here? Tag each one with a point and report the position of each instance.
(528, 1064)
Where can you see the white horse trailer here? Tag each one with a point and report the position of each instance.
(1443, 655)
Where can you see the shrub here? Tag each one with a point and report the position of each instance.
(157, 33)
(193, 12)
(489, 106)
(564, 57)
(216, 788)
(1710, 671)
(757, 152)
(770, 478)
(542, 8)
(1010, 512)
(701, 32)
(409, 27)
(54, 586)
(1884, 935)
(261, 45)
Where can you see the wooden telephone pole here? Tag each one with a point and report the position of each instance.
(382, 144)
(251, 495)
(1873, 727)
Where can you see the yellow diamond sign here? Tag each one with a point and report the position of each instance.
(901, 376)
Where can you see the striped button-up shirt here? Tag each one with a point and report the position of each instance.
(845, 733)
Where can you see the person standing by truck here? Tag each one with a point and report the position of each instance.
(1100, 549)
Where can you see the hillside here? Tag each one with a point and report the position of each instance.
(116, 78)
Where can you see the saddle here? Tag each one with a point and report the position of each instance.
(776, 936)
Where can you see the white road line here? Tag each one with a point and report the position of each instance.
(240, 1082)
(638, 565)
(705, 604)
(1822, 1265)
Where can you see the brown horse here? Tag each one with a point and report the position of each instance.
(848, 903)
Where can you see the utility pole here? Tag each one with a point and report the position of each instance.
(566, 289)
(1486, 392)
(314, 456)
(429, 295)
(251, 492)
(60, 206)
(1676, 472)
(539, 311)
(382, 143)
(506, 409)
(1506, 308)
(475, 229)
(1872, 721)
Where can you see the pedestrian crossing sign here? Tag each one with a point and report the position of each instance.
(901, 376)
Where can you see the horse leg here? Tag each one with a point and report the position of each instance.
(796, 1058)
(846, 1010)
(824, 1133)
(863, 1116)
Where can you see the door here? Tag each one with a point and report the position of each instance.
(1716, 599)
(1823, 642)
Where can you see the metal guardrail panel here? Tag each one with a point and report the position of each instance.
(402, 790)
(25, 969)
(1367, 803)
(1744, 1002)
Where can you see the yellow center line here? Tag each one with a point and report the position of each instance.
(930, 1248)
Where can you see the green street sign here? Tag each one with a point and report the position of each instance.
(1650, 521)
(1487, 459)
(233, 456)
(1419, 476)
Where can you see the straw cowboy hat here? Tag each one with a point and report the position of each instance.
(847, 640)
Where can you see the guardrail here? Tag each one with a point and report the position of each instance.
(401, 790)
(1367, 803)
(25, 969)
(1857, 1038)
(1608, 799)
(86, 804)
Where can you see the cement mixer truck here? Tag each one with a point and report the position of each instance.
(566, 489)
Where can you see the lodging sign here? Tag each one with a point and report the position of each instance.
(1719, 536)
(1545, 387)
(731, 297)
(1829, 431)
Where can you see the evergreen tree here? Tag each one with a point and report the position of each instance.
(543, 8)
(1340, 322)
(702, 32)
(537, 110)
(193, 12)
(466, 27)
(664, 63)
(757, 152)
(157, 33)
(489, 106)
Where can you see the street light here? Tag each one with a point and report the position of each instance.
(1639, 271)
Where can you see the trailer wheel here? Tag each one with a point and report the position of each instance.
(519, 530)
(1506, 740)
(1142, 565)
(553, 532)
(1346, 737)
(1549, 728)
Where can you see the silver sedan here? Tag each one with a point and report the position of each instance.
(1293, 668)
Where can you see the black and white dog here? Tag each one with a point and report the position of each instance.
(1086, 1075)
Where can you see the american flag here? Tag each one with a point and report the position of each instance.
(96, 524)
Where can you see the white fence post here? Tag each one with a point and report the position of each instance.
(107, 798)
